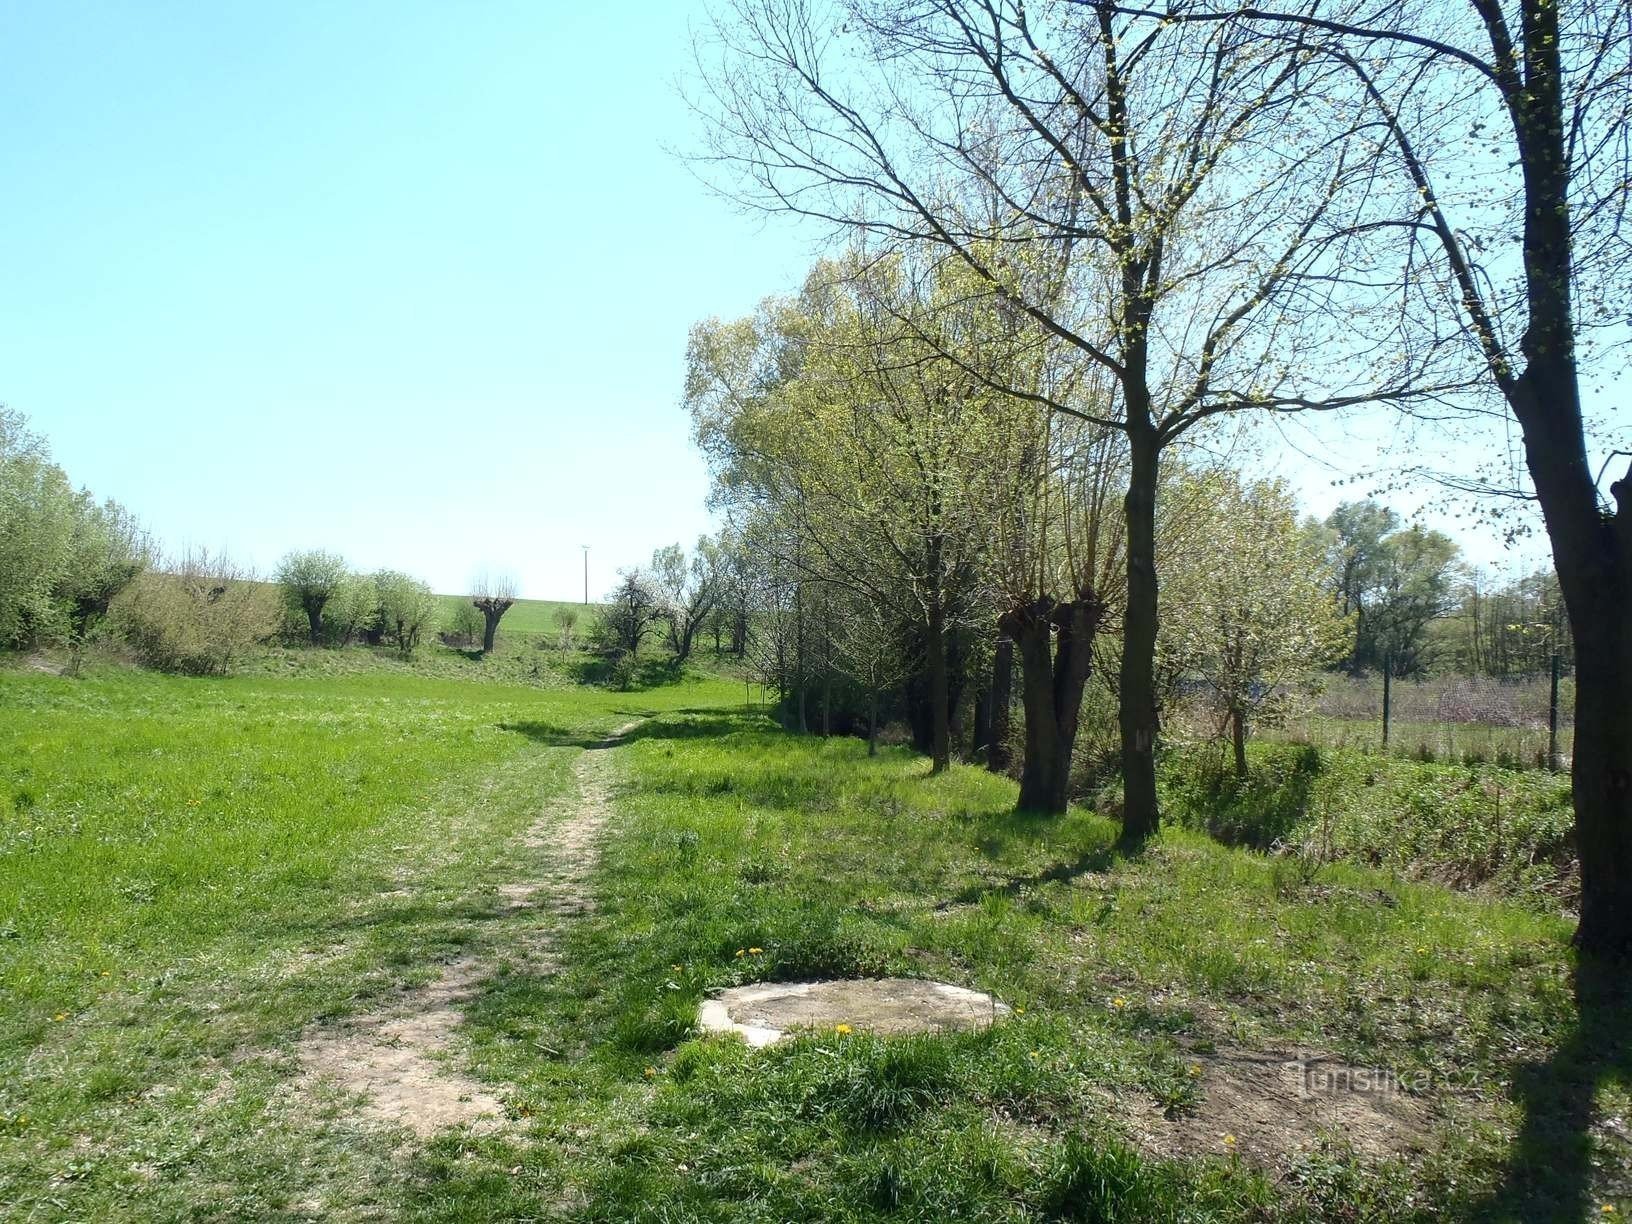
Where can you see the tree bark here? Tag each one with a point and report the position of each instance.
(1238, 738)
(314, 620)
(1592, 553)
(1029, 629)
(1592, 550)
(1056, 642)
(872, 721)
(1137, 714)
(981, 736)
(940, 738)
(997, 752)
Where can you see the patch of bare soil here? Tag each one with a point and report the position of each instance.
(397, 1061)
(1268, 1106)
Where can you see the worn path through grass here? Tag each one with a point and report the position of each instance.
(198, 876)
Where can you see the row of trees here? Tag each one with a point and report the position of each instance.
(912, 540)
(1141, 219)
(709, 592)
(333, 605)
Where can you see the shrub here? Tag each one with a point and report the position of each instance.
(197, 616)
(623, 672)
(566, 626)
(1467, 827)
(462, 625)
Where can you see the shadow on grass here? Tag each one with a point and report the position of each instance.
(710, 725)
(1092, 861)
(1549, 1174)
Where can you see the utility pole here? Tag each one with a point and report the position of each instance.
(585, 547)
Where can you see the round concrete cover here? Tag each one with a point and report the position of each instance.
(766, 1011)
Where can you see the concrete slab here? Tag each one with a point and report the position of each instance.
(766, 1012)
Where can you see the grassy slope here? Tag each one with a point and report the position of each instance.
(194, 871)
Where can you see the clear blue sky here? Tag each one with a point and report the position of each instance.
(408, 281)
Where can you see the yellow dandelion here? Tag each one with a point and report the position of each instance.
(1195, 1070)
(677, 968)
(841, 1029)
(650, 1072)
(1608, 1209)
(60, 1016)
(1229, 1141)
(1019, 1011)
(742, 951)
(1422, 951)
(755, 951)
(1119, 1002)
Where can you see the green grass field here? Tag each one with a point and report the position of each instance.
(193, 873)
(535, 617)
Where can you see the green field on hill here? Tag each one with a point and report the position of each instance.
(535, 617)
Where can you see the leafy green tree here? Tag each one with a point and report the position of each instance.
(834, 417)
(406, 607)
(309, 581)
(63, 556)
(1395, 583)
(1253, 614)
(354, 609)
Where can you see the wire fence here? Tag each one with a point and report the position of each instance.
(1520, 723)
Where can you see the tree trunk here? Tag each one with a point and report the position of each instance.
(490, 627)
(1592, 553)
(1137, 714)
(801, 725)
(872, 721)
(1238, 737)
(997, 752)
(981, 737)
(1029, 629)
(940, 739)
(314, 621)
(1056, 643)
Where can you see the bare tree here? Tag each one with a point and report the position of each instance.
(493, 595)
(689, 588)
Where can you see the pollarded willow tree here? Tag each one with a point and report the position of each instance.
(1190, 202)
(309, 581)
(1506, 124)
(493, 595)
